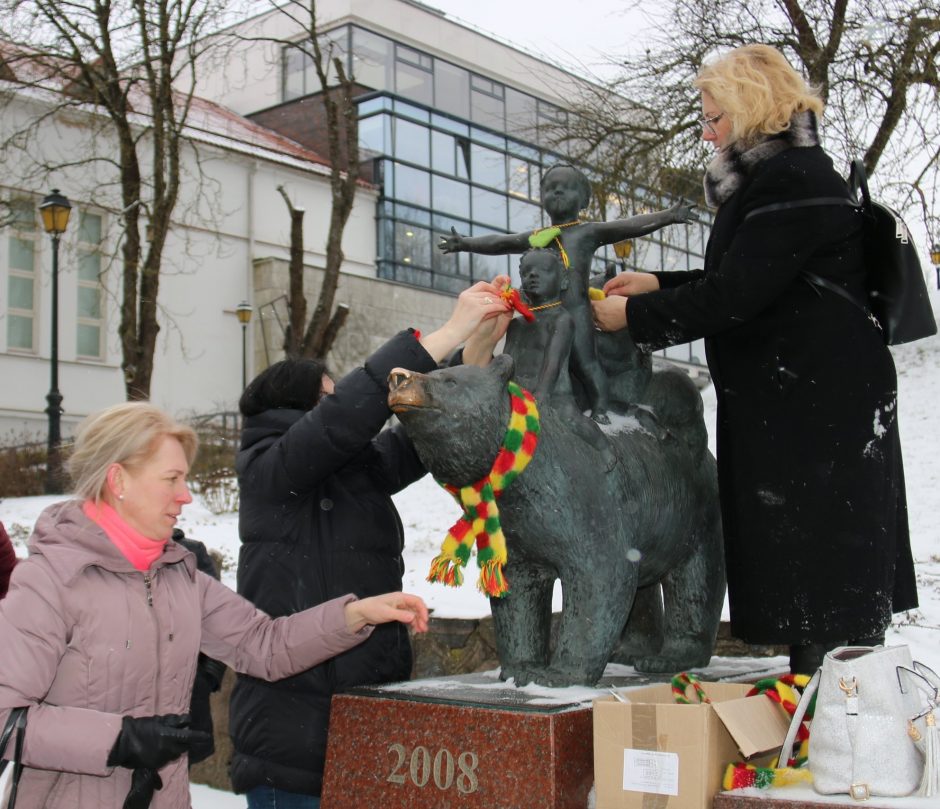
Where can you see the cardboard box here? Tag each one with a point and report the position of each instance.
(654, 751)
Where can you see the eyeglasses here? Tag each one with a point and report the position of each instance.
(708, 123)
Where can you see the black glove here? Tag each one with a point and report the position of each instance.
(143, 784)
(153, 741)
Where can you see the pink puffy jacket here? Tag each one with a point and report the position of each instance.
(85, 639)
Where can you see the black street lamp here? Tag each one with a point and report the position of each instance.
(935, 260)
(55, 210)
(243, 313)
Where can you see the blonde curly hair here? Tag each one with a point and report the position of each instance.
(758, 89)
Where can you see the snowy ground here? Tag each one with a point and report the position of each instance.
(427, 511)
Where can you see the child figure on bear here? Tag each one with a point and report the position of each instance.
(541, 349)
(565, 192)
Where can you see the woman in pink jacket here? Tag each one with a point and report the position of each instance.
(104, 622)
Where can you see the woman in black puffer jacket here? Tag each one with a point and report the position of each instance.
(316, 473)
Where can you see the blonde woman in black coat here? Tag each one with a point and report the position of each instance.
(809, 457)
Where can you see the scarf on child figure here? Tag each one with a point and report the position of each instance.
(480, 520)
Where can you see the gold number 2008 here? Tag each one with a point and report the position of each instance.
(421, 768)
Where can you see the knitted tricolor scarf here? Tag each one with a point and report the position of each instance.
(480, 522)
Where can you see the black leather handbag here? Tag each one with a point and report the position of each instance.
(897, 292)
(15, 721)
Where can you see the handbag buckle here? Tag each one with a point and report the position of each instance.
(859, 792)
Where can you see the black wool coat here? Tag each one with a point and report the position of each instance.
(809, 458)
(316, 521)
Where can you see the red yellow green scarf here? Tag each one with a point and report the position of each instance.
(480, 521)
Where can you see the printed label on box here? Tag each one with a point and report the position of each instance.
(650, 771)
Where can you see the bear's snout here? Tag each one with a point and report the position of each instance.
(404, 390)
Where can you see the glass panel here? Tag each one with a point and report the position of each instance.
(520, 114)
(445, 283)
(451, 263)
(443, 153)
(372, 60)
(488, 167)
(412, 245)
(294, 62)
(411, 142)
(409, 275)
(450, 196)
(89, 228)
(89, 267)
(22, 255)
(21, 292)
(89, 302)
(450, 124)
(416, 215)
(488, 138)
(414, 83)
(523, 216)
(411, 111)
(88, 340)
(489, 208)
(19, 332)
(451, 89)
(485, 268)
(374, 104)
(412, 185)
(518, 178)
(372, 133)
(487, 110)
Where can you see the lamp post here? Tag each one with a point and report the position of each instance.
(243, 312)
(622, 250)
(55, 210)
(935, 260)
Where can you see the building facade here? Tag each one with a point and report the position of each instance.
(455, 130)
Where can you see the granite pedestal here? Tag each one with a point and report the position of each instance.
(468, 742)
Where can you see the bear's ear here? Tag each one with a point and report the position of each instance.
(503, 366)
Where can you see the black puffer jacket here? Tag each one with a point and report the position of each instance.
(316, 520)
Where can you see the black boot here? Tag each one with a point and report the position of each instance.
(805, 658)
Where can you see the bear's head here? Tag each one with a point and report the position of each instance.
(456, 417)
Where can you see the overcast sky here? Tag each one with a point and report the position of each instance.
(576, 32)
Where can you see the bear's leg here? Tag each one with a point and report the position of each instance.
(596, 605)
(693, 595)
(522, 622)
(643, 634)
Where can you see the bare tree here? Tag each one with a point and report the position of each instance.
(337, 93)
(875, 63)
(120, 59)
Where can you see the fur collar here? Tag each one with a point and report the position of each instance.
(733, 164)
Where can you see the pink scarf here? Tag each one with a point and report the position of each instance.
(140, 551)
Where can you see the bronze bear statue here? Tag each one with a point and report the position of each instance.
(640, 542)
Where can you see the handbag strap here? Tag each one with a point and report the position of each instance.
(811, 202)
(16, 720)
(797, 718)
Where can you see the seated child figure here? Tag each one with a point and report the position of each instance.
(541, 349)
(565, 192)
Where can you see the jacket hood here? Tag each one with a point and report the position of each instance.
(70, 542)
(259, 430)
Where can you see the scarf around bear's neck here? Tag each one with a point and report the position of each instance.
(733, 164)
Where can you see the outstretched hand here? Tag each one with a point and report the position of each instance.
(403, 607)
(453, 243)
(631, 283)
(683, 211)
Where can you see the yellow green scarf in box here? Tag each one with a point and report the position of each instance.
(480, 521)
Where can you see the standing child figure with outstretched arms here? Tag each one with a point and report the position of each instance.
(565, 192)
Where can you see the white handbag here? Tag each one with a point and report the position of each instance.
(859, 742)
